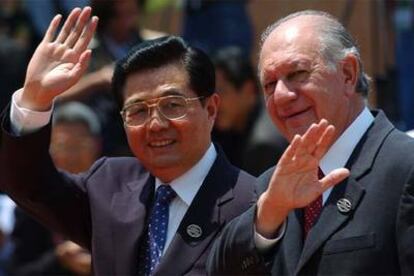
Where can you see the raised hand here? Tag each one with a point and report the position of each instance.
(60, 60)
(295, 182)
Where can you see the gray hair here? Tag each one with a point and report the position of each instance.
(76, 112)
(336, 43)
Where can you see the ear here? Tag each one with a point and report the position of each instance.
(350, 70)
(212, 105)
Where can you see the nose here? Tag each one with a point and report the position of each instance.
(283, 93)
(156, 120)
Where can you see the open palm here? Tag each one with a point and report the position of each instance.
(295, 182)
(60, 60)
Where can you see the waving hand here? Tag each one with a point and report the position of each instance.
(60, 59)
(295, 181)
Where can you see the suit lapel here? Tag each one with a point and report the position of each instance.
(331, 218)
(203, 214)
(359, 164)
(365, 153)
(129, 209)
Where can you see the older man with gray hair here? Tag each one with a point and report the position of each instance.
(341, 199)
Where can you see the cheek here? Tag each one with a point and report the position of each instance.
(277, 121)
(272, 111)
(198, 130)
(327, 106)
(135, 139)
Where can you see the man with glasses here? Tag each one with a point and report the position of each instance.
(156, 214)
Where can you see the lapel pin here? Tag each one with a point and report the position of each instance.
(344, 205)
(194, 231)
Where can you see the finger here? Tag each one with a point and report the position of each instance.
(69, 23)
(290, 152)
(325, 142)
(79, 27)
(314, 132)
(86, 37)
(309, 139)
(334, 177)
(51, 30)
(79, 69)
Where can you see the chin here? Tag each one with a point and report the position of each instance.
(166, 162)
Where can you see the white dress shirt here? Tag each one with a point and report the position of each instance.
(24, 120)
(186, 186)
(336, 157)
(339, 153)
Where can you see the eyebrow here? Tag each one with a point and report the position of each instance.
(287, 66)
(167, 92)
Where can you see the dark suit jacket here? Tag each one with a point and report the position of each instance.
(105, 209)
(375, 237)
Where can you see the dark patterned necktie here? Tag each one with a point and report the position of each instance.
(157, 230)
(312, 211)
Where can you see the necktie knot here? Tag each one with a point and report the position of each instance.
(164, 194)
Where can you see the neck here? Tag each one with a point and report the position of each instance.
(356, 107)
(169, 173)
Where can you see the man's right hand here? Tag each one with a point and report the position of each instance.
(295, 181)
(59, 61)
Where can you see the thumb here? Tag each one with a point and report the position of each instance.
(333, 178)
(79, 69)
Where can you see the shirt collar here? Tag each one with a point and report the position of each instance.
(339, 153)
(187, 185)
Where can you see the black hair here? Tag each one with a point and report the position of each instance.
(235, 66)
(152, 54)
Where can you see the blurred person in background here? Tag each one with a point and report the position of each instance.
(403, 15)
(7, 221)
(243, 127)
(215, 24)
(41, 12)
(15, 43)
(75, 146)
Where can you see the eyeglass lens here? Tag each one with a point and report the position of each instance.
(169, 107)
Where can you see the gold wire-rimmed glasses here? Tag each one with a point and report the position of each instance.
(171, 107)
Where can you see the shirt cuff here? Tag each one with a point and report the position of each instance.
(24, 120)
(263, 244)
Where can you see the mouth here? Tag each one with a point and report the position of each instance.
(161, 143)
(296, 114)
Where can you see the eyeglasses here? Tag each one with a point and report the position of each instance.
(170, 107)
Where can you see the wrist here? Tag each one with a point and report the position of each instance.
(31, 99)
(270, 216)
